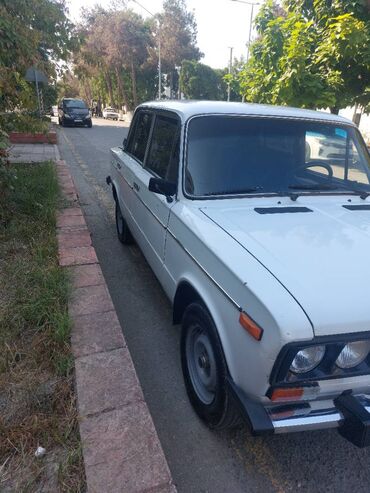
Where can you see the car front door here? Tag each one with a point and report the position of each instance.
(152, 210)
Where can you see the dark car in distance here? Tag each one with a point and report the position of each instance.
(73, 111)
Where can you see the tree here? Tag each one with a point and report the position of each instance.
(315, 53)
(199, 81)
(178, 33)
(33, 32)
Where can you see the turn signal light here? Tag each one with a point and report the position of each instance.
(291, 394)
(250, 326)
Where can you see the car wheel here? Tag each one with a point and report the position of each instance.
(61, 123)
(89, 125)
(123, 232)
(204, 369)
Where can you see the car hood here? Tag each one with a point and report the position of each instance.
(321, 257)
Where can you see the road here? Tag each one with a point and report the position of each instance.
(200, 460)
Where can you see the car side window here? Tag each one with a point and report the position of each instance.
(139, 139)
(163, 148)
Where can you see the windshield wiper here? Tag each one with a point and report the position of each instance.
(234, 192)
(322, 186)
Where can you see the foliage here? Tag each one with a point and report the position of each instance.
(177, 30)
(315, 53)
(23, 122)
(33, 33)
(117, 62)
(199, 81)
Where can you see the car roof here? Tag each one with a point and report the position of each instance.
(188, 108)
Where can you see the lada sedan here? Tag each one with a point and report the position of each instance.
(261, 240)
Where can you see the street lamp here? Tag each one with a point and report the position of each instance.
(159, 50)
(250, 22)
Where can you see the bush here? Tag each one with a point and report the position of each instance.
(23, 122)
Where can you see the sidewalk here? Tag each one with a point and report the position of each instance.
(33, 153)
(121, 449)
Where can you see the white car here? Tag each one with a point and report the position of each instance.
(110, 113)
(264, 253)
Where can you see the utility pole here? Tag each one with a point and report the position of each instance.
(250, 23)
(230, 66)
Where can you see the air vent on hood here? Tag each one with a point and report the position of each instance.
(281, 210)
(360, 207)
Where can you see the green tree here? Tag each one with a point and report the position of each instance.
(315, 53)
(199, 81)
(178, 33)
(33, 32)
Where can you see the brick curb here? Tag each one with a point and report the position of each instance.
(121, 448)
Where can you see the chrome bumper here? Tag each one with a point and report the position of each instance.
(315, 421)
(347, 412)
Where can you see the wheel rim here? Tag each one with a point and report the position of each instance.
(201, 364)
(119, 220)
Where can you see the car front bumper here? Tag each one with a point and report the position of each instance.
(347, 412)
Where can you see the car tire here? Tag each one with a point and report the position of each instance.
(89, 125)
(123, 232)
(205, 370)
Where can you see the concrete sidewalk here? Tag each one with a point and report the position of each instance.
(33, 153)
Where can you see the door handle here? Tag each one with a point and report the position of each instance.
(136, 186)
(119, 165)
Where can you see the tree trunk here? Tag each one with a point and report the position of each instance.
(133, 83)
(122, 90)
(334, 110)
(108, 82)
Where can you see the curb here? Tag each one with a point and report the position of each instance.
(121, 449)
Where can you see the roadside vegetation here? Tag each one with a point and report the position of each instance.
(37, 401)
(309, 54)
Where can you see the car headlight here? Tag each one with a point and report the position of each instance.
(67, 115)
(353, 354)
(307, 359)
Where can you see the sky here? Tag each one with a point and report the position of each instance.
(221, 24)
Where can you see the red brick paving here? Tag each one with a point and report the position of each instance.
(67, 221)
(90, 299)
(122, 452)
(77, 256)
(121, 449)
(74, 238)
(96, 333)
(87, 275)
(100, 384)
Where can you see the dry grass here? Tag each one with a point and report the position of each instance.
(37, 401)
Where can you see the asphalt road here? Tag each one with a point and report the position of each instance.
(200, 460)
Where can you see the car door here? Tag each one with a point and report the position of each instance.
(128, 161)
(152, 210)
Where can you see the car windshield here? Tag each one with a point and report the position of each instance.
(230, 155)
(75, 104)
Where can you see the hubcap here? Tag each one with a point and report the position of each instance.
(201, 364)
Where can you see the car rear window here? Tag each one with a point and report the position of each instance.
(139, 139)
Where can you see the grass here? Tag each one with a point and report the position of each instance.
(37, 401)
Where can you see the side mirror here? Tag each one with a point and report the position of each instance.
(124, 144)
(163, 187)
